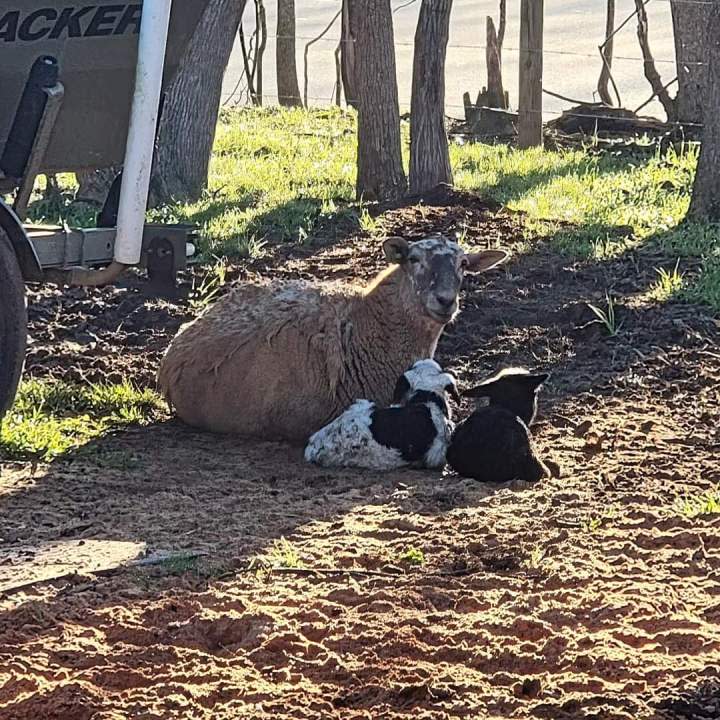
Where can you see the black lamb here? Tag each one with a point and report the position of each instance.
(494, 443)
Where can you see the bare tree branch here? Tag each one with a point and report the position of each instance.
(404, 5)
(624, 23)
(261, 33)
(569, 99)
(247, 69)
(606, 53)
(307, 48)
(651, 72)
(338, 74)
(654, 95)
(610, 34)
(501, 26)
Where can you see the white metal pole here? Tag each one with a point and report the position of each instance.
(141, 132)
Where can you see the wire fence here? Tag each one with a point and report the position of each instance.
(337, 42)
(545, 113)
(506, 48)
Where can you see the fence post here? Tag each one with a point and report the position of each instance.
(531, 64)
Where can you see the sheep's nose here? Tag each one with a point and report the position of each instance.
(445, 301)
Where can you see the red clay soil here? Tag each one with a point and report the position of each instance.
(590, 595)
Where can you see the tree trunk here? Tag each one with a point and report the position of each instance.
(287, 82)
(347, 57)
(380, 174)
(94, 185)
(689, 23)
(429, 155)
(189, 116)
(495, 97)
(705, 202)
(606, 52)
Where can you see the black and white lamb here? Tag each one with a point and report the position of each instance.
(494, 443)
(415, 430)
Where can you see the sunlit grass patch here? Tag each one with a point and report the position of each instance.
(707, 503)
(668, 284)
(273, 172)
(51, 417)
(206, 288)
(601, 191)
(413, 556)
(276, 172)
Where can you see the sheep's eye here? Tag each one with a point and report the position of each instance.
(464, 263)
(414, 260)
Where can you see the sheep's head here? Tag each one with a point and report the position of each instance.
(424, 375)
(514, 389)
(435, 268)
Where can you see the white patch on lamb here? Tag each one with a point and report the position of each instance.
(414, 431)
(348, 442)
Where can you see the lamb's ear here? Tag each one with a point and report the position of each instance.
(402, 388)
(485, 260)
(536, 381)
(396, 249)
(477, 391)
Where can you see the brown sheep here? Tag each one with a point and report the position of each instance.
(280, 360)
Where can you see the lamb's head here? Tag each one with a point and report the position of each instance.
(425, 375)
(434, 268)
(514, 389)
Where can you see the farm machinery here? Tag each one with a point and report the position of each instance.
(81, 88)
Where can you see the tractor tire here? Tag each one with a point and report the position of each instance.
(13, 323)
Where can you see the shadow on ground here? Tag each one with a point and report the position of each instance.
(583, 596)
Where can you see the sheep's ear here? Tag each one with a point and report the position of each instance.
(486, 260)
(396, 249)
(402, 387)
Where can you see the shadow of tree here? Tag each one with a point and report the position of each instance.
(171, 487)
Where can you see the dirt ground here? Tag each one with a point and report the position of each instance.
(589, 595)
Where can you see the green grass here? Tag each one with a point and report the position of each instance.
(650, 193)
(413, 556)
(275, 172)
(615, 205)
(51, 417)
(206, 289)
(668, 284)
(283, 554)
(607, 315)
(707, 503)
(179, 564)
